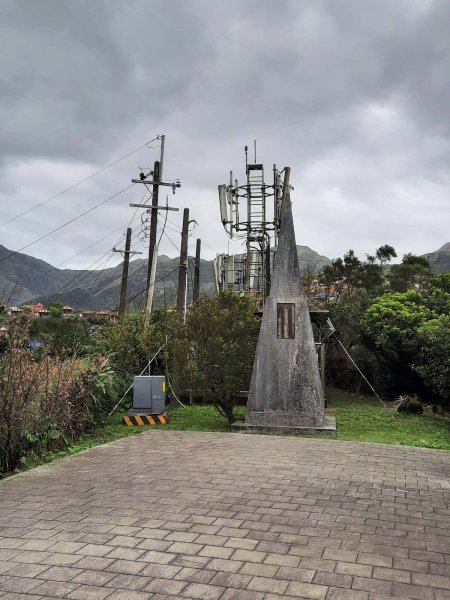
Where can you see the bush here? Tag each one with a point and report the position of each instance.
(130, 345)
(410, 332)
(215, 353)
(46, 401)
(435, 368)
(62, 336)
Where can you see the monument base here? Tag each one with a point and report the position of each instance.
(328, 427)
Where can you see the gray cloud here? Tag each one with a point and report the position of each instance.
(352, 95)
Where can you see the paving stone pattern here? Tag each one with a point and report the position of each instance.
(231, 517)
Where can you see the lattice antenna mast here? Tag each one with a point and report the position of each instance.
(251, 212)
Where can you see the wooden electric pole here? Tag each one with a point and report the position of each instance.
(126, 261)
(153, 210)
(153, 220)
(182, 272)
(196, 288)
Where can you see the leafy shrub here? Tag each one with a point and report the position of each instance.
(410, 332)
(129, 345)
(434, 369)
(47, 401)
(214, 354)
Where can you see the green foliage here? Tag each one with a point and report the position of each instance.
(47, 401)
(399, 336)
(56, 309)
(350, 273)
(434, 336)
(385, 253)
(128, 343)
(62, 336)
(411, 331)
(391, 322)
(413, 272)
(215, 354)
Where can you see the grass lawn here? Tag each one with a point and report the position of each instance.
(363, 419)
(359, 419)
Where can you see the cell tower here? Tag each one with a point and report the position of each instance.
(251, 212)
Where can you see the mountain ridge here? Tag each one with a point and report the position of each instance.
(25, 279)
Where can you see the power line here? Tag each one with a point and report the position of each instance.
(154, 283)
(66, 223)
(75, 184)
(173, 243)
(215, 250)
(179, 231)
(94, 281)
(77, 254)
(72, 284)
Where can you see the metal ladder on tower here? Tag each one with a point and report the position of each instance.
(256, 209)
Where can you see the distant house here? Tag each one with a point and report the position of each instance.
(44, 313)
(36, 308)
(88, 314)
(102, 314)
(67, 310)
(3, 331)
(14, 311)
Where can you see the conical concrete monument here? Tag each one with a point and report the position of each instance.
(285, 391)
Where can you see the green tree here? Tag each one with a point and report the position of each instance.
(56, 309)
(385, 254)
(409, 331)
(434, 336)
(413, 273)
(219, 343)
(63, 337)
(127, 343)
(350, 273)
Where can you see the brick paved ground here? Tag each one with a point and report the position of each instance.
(229, 516)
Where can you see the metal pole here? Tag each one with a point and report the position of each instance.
(182, 272)
(196, 289)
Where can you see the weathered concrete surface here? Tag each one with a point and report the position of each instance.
(264, 426)
(285, 389)
(229, 517)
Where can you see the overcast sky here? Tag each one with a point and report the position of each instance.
(353, 95)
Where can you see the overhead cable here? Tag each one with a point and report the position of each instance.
(71, 187)
(67, 223)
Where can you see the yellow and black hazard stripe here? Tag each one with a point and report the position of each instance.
(141, 420)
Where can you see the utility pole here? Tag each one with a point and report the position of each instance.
(126, 261)
(196, 289)
(153, 220)
(182, 273)
(153, 210)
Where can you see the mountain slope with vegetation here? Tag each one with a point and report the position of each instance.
(25, 279)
